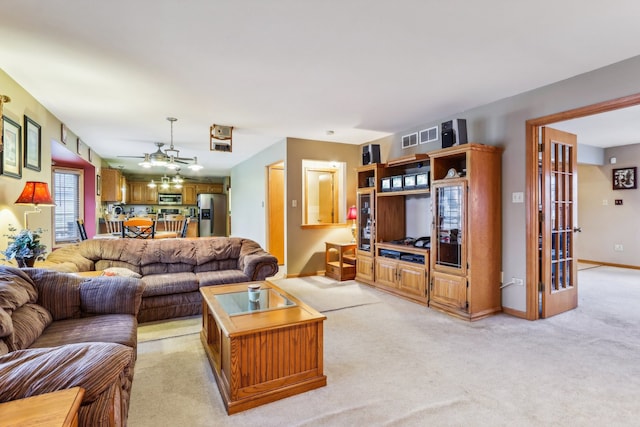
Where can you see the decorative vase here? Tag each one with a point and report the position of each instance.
(25, 262)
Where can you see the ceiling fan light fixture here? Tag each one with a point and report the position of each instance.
(195, 166)
(152, 184)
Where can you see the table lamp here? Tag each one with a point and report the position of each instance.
(352, 214)
(36, 194)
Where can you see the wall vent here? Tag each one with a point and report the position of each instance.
(429, 135)
(410, 140)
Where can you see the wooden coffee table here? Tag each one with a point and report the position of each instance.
(261, 352)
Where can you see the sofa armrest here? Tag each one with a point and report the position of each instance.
(255, 262)
(70, 258)
(57, 292)
(92, 366)
(111, 295)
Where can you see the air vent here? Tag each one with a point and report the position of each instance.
(429, 135)
(410, 140)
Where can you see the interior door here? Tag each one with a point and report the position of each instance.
(558, 188)
(275, 202)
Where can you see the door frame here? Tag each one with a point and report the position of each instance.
(532, 129)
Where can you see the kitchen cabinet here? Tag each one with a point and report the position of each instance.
(189, 194)
(111, 185)
(141, 194)
(209, 188)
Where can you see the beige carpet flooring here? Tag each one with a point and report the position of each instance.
(390, 362)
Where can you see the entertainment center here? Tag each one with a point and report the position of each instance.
(448, 201)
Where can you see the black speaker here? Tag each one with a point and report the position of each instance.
(454, 132)
(370, 154)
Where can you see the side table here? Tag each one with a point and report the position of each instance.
(56, 409)
(340, 260)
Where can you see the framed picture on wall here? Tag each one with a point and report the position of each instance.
(12, 153)
(625, 178)
(32, 145)
(98, 184)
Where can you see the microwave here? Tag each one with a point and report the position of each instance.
(169, 199)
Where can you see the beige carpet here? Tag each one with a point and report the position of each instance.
(396, 363)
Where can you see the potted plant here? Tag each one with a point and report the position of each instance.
(24, 246)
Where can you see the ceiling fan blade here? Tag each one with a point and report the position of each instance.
(132, 157)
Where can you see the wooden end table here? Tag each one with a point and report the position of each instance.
(56, 409)
(261, 351)
(340, 260)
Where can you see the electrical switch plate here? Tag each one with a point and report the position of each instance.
(517, 197)
(294, 203)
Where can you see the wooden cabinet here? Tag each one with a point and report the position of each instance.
(209, 188)
(452, 198)
(189, 194)
(407, 278)
(366, 222)
(340, 260)
(111, 189)
(58, 408)
(466, 245)
(141, 194)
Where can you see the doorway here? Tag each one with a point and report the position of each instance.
(535, 196)
(275, 211)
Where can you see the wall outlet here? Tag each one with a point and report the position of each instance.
(517, 282)
(517, 197)
(618, 247)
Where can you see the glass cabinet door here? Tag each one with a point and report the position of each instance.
(450, 227)
(365, 226)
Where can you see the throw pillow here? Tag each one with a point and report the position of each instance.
(121, 271)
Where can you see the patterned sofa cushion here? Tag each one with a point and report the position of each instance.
(28, 323)
(59, 293)
(168, 284)
(6, 324)
(222, 277)
(16, 289)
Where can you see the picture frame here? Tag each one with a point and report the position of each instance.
(89, 155)
(78, 145)
(63, 134)
(32, 145)
(98, 184)
(625, 178)
(12, 153)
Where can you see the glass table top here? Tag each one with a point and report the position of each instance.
(235, 303)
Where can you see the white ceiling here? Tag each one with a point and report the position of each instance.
(112, 71)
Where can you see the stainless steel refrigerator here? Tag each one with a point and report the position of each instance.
(212, 215)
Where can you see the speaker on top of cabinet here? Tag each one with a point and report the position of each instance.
(454, 132)
(370, 154)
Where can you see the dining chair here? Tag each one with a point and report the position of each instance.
(138, 228)
(114, 223)
(81, 229)
(174, 225)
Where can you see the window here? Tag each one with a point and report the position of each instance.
(68, 194)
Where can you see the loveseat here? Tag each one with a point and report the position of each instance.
(58, 331)
(172, 270)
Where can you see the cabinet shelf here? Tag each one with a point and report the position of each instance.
(421, 191)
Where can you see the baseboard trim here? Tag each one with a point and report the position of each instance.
(609, 264)
(291, 276)
(516, 313)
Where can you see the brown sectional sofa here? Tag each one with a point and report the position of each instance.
(58, 331)
(172, 270)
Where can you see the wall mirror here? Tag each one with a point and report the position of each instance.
(324, 195)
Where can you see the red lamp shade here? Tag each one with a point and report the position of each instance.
(35, 193)
(352, 213)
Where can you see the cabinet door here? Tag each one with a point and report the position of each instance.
(110, 191)
(137, 192)
(449, 290)
(151, 195)
(412, 280)
(450, 231)
(364, 268)
(386, 272)
(365, 222)
(189, 194)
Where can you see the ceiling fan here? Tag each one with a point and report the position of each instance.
(169, 158)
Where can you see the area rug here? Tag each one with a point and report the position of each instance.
(325, 294)
(162, 329)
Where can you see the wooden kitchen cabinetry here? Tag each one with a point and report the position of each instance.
(209, 188)
(141, 194)
(466, 240)
(111, 185)
(189, 194)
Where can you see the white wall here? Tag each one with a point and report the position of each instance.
(248, 193)
(605, 224)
